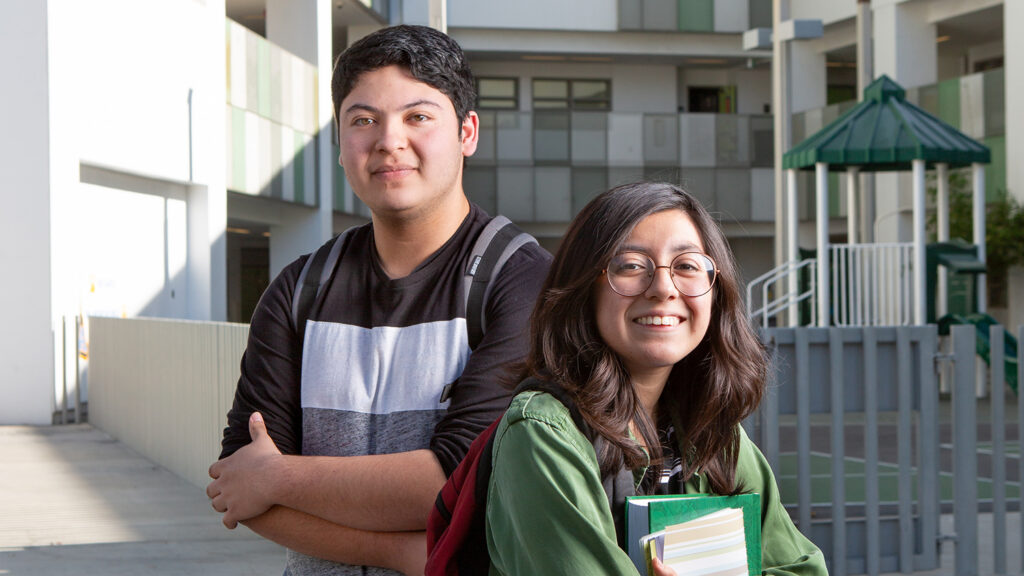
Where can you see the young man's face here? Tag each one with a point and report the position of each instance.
(402, 145)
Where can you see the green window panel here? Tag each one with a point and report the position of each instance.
(995, 172)
(697, 15)
(949, 102)
(994, 112)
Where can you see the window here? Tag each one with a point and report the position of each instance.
(716, 99)
(497, 93)
(571, 94)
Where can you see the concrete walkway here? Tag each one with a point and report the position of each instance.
(75, 501)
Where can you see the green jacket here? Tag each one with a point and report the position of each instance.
(547, 512)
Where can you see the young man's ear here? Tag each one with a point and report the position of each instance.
(470, 133)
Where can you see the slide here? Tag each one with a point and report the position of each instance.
(981, 323)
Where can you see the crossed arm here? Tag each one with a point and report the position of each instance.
(357, 510)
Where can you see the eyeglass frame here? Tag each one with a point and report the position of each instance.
(671, 274)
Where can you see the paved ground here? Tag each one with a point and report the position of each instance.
(75, 501)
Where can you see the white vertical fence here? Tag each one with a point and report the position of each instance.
(164, 387)
(872, 284)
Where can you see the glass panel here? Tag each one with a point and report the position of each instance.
(515, 137)
(660, 14)
(497, 88)
(482, 188)
(515, 193)
(592, 105)
(551, 136)
(994, 110)
(661, 139)
(591, 89)
(551, 104)
(550, 89)
(946, 104)
(498, 103)
(587, 183)
(553, 190)
(589, 138)
(732, 192)
(696, 15)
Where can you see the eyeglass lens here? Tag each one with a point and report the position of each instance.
(631, 273)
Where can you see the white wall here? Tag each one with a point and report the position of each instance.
(26, 346)
(534, 14)
(147, 100)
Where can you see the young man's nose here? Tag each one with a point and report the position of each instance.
(392, 136)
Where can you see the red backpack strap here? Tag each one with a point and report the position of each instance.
(456, 541)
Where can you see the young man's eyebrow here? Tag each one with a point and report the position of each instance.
(373, 110)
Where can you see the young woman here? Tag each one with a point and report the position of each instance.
(641, 322)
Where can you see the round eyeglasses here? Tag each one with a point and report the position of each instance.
(631, 273)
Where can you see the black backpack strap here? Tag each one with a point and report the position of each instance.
(315, 273)
(493, 247)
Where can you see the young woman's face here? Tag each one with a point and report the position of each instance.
(658, 327)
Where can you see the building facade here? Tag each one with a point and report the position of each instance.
(167, 158)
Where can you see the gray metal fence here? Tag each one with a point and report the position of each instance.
(869, 454)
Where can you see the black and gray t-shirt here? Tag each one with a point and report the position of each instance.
(377, 354)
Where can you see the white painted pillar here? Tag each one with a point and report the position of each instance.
(821, 205)
(978, 171)
(852, 215)
(792, 241)
(920, 299)
(1013, 69)
(942, 235)
(26, 343)
(438, 18)
(781, 118)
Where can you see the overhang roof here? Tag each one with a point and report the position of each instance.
(884, 132)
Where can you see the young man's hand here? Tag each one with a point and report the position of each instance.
(242, 486)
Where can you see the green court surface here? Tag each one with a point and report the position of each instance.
(888, 479)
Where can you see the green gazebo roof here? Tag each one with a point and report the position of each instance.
(884, 132)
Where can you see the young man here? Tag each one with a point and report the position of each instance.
(360, 396)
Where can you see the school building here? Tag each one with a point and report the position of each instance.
(167, 158)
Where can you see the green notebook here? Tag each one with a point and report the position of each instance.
(649, 514)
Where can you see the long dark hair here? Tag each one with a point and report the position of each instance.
(708, 393)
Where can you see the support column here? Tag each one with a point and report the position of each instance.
(26, 346)
(1013, 68)
(304, 28)
(865, 74)
(821, 205)
(782, 120)
(920, 298)
(792, 242)
(978, 171)
(942, 235)
(851, 205)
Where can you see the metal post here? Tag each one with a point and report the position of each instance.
(942, 221)
(64, 370)
(998, 398)
(838, 457)
(965, 457)
(852, 217)
(824, 294)
(793, 243)
(78, 373)
(872, 515)
(920, 300)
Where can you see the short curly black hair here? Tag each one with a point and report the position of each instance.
(431, 56)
